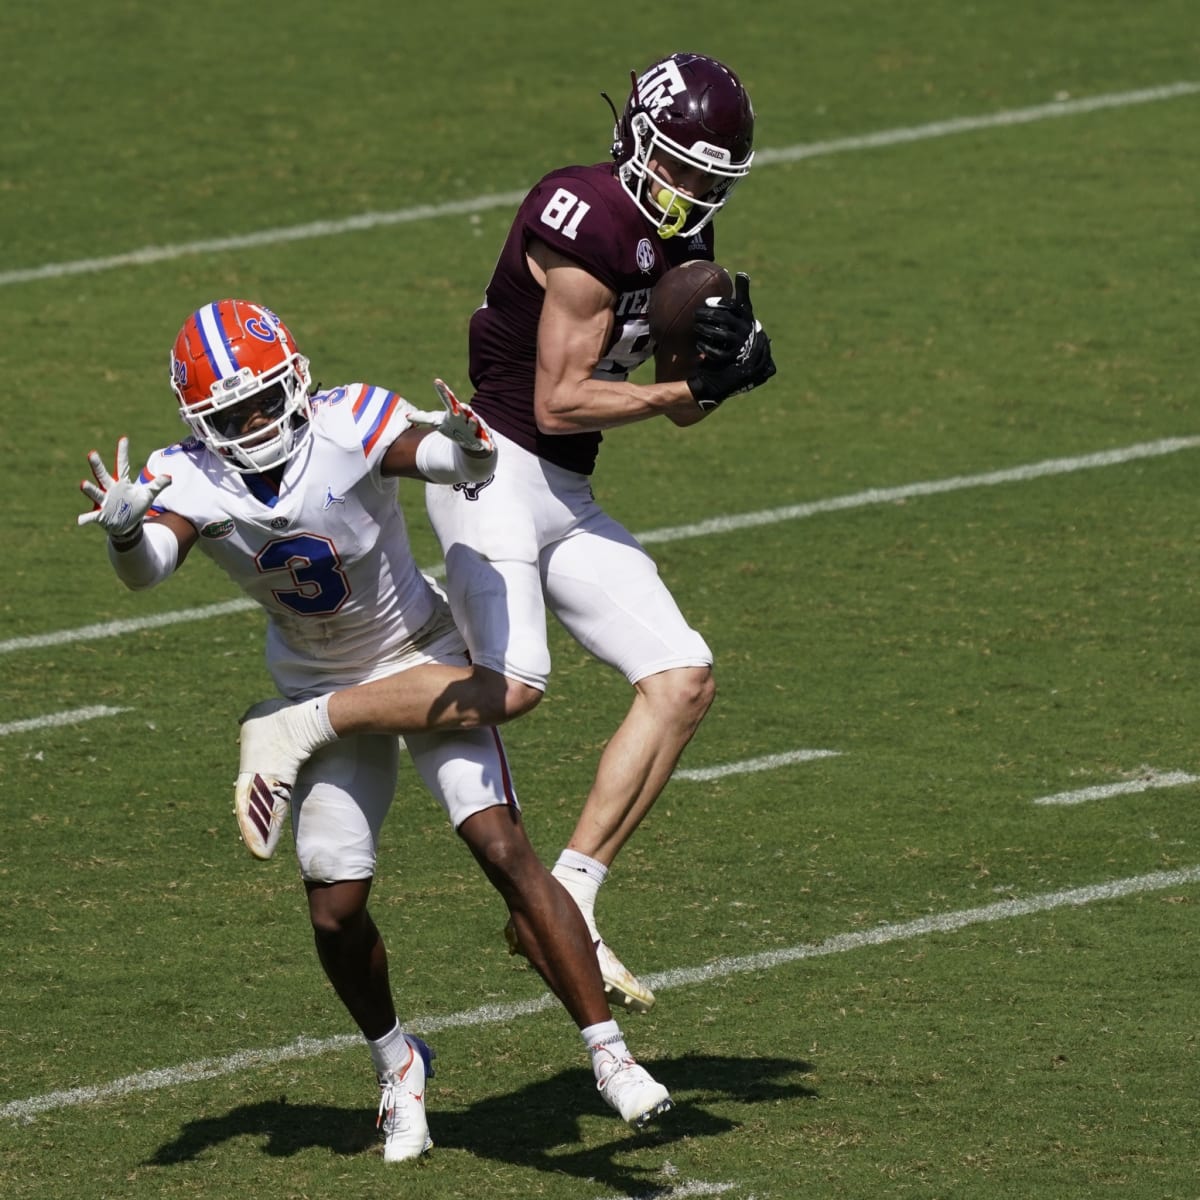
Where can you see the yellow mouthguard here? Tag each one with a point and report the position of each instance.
(675, 212)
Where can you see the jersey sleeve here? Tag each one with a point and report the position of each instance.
(153, 468)
(366, 417)
(570, 215)
(189, 495)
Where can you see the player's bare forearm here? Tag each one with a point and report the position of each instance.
(595, 404)
(686, 413)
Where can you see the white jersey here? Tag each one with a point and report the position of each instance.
(327, 556)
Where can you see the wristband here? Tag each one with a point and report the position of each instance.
(147, 561)
(442, 461)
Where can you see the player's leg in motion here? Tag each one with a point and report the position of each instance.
(277, 737)
(342, 796)
(499, 606)
(469, 775)
(607, 592)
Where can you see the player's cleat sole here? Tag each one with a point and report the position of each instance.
(622, 988)
(630, 1089)
(267, 769)
(402, 1105)
(261, 806)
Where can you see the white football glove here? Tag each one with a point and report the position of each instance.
(120, 502)
(459, 422)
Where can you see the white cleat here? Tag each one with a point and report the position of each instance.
(402, 1105)
(631, 1089)
(267, 768)
(622, 987)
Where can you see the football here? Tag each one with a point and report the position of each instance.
(673, 304)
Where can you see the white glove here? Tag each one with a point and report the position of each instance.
(459, 422)
(120, 503)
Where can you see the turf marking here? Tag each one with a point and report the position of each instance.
(107, 629)
(1148, 780)
(932, 487)
(72, 716)
(245, 1060)
(676, 533)
(477, 204)
(768, 762)
(998, 120)
(681, 1191)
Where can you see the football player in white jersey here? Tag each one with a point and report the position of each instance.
(292, 494)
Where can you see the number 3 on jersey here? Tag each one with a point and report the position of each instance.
(321, 586)
(564, 212)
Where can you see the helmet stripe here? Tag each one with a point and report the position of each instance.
(216, 345)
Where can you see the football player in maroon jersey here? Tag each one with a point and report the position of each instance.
(562, 326)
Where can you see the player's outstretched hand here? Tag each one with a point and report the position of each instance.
(734, 350)
(459, 422)
(120, 503)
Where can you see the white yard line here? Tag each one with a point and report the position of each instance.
(951, 922)
(997, 120)
(879, 935)
(72, 716)
(683, 1190)
(768, 762)
(932, 487)
(675, 533)
(478, 204)
(107, 629)
(1151, 779)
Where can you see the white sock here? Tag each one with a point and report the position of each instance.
(606, 1035)
(308, 723)
(582, 877)
(390, 1052)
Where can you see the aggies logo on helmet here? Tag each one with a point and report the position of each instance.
(659, 86)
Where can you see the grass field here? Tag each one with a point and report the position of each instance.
(951, 548)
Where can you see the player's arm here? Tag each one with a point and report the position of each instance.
(144, 548)
(153, 552)
(576, 322)
(454, 446)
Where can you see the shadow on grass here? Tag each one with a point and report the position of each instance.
(536, 1126)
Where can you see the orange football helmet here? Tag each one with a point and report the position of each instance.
(233, 360)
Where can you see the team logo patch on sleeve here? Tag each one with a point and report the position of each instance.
(218, 529)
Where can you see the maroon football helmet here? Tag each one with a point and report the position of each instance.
(694, 109)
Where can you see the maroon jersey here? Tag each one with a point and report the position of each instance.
(586, 215)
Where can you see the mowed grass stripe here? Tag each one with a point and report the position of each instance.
(428, 212)
(726, 524)
(245, 1060)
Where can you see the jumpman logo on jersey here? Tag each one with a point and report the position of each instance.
(331, 499)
